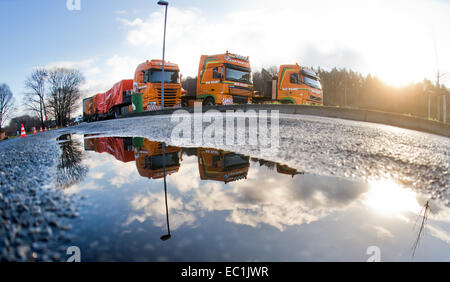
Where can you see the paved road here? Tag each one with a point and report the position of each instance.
(33, 210)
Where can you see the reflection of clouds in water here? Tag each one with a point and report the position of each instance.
(439, 233)
(123, 174)
(152, 205)
(189, 169)
(285, 201)
(77, 188)
(119, 173)
(276, 201)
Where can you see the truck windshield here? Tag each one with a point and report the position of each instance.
(234, 160)
(156, 162)
(311, 81)
(238, 75)
(170, 76)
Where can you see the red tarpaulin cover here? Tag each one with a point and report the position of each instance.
(115, 147)
(115, 95)
(99, 101)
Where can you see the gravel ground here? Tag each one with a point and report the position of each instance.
(32, 211)
(35, 215)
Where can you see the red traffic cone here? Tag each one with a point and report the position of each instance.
(45, 129)
(34, 130)
(40, 130)
(22, 132)
(56, 127)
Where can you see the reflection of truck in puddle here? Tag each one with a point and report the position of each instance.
(284, 169)
(147, 154)
(222, 166)
(120, 148)
(149, 158)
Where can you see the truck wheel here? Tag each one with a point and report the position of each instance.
(209, 101)
(287, 102)
(117, 113)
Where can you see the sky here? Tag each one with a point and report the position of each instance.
(399, 41)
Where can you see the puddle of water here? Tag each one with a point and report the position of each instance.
(215, 205)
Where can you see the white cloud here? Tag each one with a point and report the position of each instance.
(382, 37)
(385, 38)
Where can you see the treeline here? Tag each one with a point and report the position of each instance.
(346, 88)
(51, 98)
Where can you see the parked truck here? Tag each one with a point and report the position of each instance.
(143, 93)
(222, 79)
(293, 85)
(112, 103)
(147, 87)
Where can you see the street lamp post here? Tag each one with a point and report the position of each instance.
(163, 3)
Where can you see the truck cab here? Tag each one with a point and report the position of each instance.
(294, 85)
(222, 166)
(224, 79)
(148, 78)
(149, 158)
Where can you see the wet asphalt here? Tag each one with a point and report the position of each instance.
(35, 214)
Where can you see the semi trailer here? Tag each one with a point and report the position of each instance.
(112, 103)
(143, 93)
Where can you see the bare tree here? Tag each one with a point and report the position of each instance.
(70, 169)
(6, 103)
(35, 99)
(65, 93)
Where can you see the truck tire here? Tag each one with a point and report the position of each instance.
(287, 102)
(209, 101)
(116, 113)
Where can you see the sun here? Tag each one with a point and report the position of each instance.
(388, 198)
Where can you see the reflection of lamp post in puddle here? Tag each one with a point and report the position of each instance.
(167, 236)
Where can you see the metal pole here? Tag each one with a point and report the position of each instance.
(164, 50)
(429, 106)
(444, 106)
(165, 192)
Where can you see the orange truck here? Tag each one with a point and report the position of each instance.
(222, 79)
(222, 166)
(149, 158)
(148, 84)
(143, 93)
(293, 85)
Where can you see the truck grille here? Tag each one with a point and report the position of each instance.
(236, 90)
(315, 98)
(170, 96)
(240, 99)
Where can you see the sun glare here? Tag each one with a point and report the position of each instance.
(387, 198)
